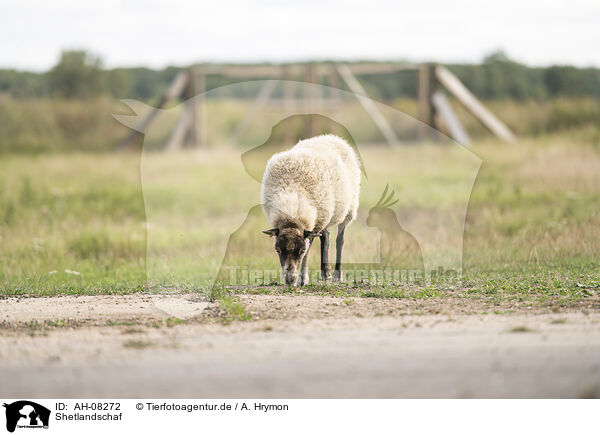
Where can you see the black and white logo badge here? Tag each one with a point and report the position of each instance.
(25, 414)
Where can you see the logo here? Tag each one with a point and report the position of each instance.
(26, 414)
(412, 233)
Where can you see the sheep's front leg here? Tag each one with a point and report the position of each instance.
(325, 266)
(339, 245)
(303, 278)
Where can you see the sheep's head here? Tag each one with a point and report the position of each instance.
(291, 245)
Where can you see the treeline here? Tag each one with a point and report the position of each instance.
(498, 77)
(79, 74)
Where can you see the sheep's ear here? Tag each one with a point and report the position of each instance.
(311, 234)
(272, 232)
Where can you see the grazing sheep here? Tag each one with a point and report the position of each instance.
(305, 190)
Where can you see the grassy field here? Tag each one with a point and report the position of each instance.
(43, 125)
(77, 224)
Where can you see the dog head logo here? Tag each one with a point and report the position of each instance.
(26, 414)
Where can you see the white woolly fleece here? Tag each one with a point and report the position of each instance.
(315, 185)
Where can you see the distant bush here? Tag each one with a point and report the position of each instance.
(539, 117)
(77, 74)
(45, 124)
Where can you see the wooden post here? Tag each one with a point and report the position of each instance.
(193, 137)
(334, 98)
(200, 110)
(386, 130)
(427, 87)
(288, 91)
(176, 88)
(423, 93)
(318, 94)
(334, 92)
(263, 96)
(454, 85)
(306, 103)
(314, 97)
(183, 126)
(289, 105)
(445, 112)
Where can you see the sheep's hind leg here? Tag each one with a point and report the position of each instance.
(339, 245)
(325, 266)
(303, 278)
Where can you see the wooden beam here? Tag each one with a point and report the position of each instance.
(174, 90)
(306, 95)
(193, 133)
(426, 111)
(281, 104)
(289, 103)
(263, 96)
(314, 99)
(381, 68)
(199, 101)
(177, 137)
(289, 92)
(454, 85)
(444, 110)
(334, 92)
(368, 105)
(264, 71)
(278, 71)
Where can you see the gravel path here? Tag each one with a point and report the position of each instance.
(299, 346)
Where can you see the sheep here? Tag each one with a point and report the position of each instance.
(305, 190)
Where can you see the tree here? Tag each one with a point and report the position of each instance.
(77, 74)
(497, 56)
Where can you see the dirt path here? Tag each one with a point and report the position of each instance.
(294, 346)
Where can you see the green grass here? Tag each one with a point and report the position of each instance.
(520, 329)
(77, 224)
(42, 125)
(137, 344)
(121, 323)
(132, 330)
(233, 309)
(173, 321)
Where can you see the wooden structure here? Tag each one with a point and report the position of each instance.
(435, 109)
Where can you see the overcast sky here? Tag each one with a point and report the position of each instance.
(174, 32)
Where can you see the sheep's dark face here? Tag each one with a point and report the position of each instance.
(291, 245)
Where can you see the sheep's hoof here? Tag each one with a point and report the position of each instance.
(303, 280)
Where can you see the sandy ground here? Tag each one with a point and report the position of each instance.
(294, 346)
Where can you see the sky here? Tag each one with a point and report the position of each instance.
(175, 32)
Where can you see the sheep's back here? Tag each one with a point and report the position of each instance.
(345, 166)
(324, 170)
